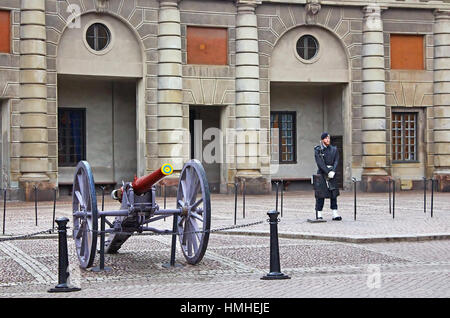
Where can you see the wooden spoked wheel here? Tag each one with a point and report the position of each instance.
(85, 214)
(194, 222)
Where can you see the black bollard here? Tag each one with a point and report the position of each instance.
(424, 195)
(54, 209)
(103, 198)
(276, 199)
(243, 200)
(432, 196)
(354, 203)
(35, 204)
(165, 196)
(275, 268)
(393, 198)
(282, 190)
(389, 190)
(235, 201)
(4, 209)
(63, 260)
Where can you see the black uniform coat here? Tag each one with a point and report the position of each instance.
(326, 156)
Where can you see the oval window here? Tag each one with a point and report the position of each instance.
(98, 36)
(307, 47)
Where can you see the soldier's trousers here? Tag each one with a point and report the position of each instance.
(321, 201)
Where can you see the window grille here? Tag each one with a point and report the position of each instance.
(404, 136)
(283, 140)
(71, 136)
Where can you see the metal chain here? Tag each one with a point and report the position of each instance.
(25, 236)
(50, 231)
(193, 232)
(207, 231)
(234, 227)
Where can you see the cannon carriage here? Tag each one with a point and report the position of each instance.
(138, 210)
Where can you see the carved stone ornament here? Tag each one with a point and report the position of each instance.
(312, 9)
(100, 5)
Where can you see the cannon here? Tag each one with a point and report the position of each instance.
(192, 213)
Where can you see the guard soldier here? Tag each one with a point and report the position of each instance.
(325, 183)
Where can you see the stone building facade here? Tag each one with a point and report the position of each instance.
(140, 82)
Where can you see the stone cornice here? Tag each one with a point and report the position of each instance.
(383, 3)
(169, 2)
(248, 2)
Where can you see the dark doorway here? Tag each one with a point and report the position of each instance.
(193, 115)
(337, 142)
(205, 117)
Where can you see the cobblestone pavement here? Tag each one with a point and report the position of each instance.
(233, 264)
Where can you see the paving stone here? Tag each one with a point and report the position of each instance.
(234, 264)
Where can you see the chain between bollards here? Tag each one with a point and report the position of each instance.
(174, 234)
(63, 260)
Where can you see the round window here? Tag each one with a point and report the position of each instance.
(307, 47)
(98, 36)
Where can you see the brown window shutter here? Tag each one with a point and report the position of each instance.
(407, 52)
(5, 31)
(207, 45)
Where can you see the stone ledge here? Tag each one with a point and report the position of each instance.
(348, 238)
(358, 239)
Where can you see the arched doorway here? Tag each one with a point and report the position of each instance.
(309, 94)
(100, 76)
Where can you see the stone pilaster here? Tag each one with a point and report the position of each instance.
(442, 98)
(33, 94)
(373, 102)
(170, 89)
(247, 97)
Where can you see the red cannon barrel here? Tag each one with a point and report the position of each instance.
(143, 184)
